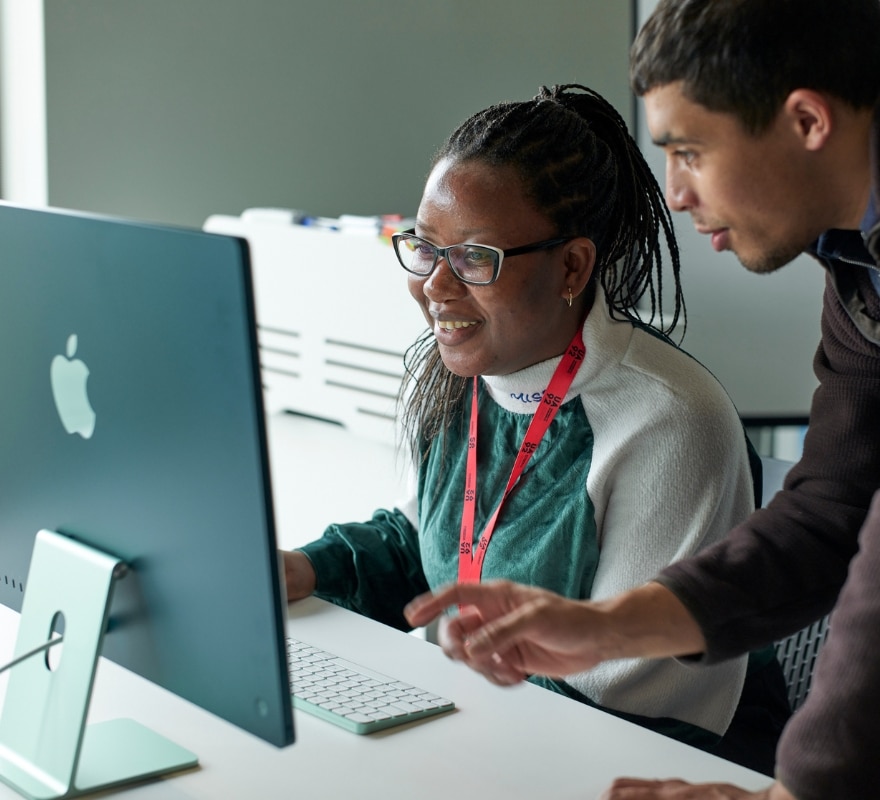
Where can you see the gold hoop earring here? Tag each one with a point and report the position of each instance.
(569, 297)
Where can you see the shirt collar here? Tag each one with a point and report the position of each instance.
(847, 246)
(872, 216)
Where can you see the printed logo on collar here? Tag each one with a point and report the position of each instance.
(536, 397)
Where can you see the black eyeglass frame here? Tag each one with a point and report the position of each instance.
(442, 252)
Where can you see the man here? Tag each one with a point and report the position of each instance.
(767, 112)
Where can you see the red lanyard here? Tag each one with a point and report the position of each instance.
(470, 558)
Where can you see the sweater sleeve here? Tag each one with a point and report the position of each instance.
(829, 748)
(784, 566)
(373, 567)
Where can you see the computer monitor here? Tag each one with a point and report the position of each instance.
(131, 421)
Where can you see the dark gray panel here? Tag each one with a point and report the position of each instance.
(172, 110)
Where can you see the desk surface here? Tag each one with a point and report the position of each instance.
(499, 743)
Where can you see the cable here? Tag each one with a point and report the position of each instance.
(35, 651)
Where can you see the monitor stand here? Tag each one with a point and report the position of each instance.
(47, 750)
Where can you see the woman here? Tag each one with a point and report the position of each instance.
(536, 349)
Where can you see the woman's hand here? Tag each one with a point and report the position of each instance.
(299, 575)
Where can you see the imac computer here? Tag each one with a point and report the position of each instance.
(135, 500)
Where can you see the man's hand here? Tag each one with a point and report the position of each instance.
(508, 631)
(632, 789)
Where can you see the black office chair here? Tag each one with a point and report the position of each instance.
(796, 653)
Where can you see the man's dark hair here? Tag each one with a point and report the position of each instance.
(744, 57)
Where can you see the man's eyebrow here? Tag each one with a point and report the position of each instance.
(667, 139)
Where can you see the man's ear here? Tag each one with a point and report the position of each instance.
(811, 117)
(580, 259)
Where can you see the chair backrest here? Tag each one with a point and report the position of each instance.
(797, 654)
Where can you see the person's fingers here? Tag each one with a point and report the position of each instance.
(502, 672)
(637, 789)
(468, 620)
(453, 637)
(503, 633)
(421, 610)
(453, 632)
(428, 606)
(489, 597)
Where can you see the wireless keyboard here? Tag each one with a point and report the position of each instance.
(351, 696)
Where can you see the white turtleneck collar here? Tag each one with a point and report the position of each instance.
(606, 341)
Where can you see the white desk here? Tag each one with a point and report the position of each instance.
(524, 742)
(499, 743)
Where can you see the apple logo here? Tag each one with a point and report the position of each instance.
(69, 376)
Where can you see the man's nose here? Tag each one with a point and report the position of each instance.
(679, 194)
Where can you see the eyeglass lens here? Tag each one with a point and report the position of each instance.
(470, 262)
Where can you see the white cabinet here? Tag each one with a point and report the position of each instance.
(334, 320)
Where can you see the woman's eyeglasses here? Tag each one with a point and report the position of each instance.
(476, 264)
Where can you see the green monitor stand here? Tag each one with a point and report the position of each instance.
(47, 749)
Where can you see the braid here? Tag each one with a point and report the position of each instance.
(431, 396)
(582, 169)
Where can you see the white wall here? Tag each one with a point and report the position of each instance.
(22, 103)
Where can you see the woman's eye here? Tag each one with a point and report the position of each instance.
(477, 258)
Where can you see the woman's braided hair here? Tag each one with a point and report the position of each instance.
(582, 169)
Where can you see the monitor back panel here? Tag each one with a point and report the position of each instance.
(173, 477)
